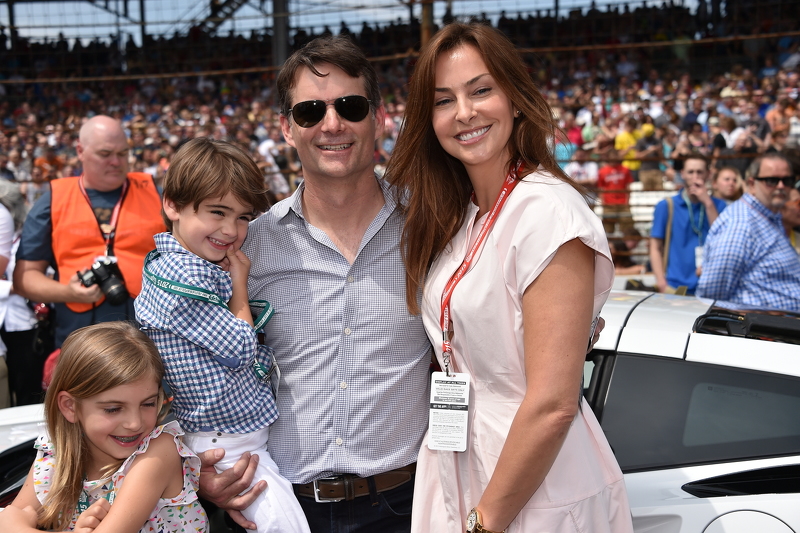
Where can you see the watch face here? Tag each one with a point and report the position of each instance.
(472, 519)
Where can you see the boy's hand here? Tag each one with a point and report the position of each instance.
(238, 265)
(91, 517)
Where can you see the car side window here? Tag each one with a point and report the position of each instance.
(661, 413)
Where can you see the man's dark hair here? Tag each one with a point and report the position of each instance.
(699, 157)
(338, 51)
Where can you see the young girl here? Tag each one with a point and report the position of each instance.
(103, 445)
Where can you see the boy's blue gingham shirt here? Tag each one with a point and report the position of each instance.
(207, 351)
(749, 260)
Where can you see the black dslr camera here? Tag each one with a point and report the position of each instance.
(105, 273)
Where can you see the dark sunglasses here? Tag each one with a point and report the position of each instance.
(773, 181)
(353, 108)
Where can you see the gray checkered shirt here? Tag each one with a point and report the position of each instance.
(354, 390)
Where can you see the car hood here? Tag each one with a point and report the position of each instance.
(20, 424)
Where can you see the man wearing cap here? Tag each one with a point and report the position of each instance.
(749, 261)
(648, 149)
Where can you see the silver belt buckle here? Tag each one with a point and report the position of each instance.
(323, 499)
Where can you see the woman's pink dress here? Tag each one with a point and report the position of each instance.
(584, 490)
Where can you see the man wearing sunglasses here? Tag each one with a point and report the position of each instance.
(353, 396)
(749, 260)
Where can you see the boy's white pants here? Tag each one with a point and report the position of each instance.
(276, 510)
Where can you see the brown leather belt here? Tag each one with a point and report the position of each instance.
(348, 486)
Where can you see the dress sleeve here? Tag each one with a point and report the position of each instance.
(43, 467)
(191, 463)
(545, 216)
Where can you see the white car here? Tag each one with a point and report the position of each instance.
(700, 404)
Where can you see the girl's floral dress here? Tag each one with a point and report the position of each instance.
(181, 514)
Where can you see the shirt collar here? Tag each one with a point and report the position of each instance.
(167, 243)
(754, 203)
(295, 201)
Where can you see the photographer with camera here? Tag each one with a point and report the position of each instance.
(94, 230)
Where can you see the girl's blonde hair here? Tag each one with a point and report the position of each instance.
(93, 360)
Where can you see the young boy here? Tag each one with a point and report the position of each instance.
(194, 306)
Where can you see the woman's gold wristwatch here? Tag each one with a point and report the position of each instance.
(475, 524)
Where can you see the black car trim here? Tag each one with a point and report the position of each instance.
(784, 479)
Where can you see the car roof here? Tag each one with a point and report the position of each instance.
(691, 328)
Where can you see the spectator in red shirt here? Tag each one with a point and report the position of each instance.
(613, 181)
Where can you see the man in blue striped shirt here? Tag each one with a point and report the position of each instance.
(749, 261)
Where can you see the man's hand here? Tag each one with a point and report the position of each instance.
(226, 490)
(661, 285)
(91, 517)
(601, 323)
(81, 294)
(697, 188)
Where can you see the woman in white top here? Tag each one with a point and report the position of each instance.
(489, 212)
(18, 321)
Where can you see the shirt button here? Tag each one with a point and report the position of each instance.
(338, 441)
(342, 385)
(350, 279)
(347, 331)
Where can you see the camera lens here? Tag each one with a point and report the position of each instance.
(109, 277)
(115, 290)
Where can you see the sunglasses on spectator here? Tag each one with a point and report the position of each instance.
(772, 181)
(352, 108)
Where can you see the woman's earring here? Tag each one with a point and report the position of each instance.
(516, 113)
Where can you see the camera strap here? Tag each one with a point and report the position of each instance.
(108, 230)
(198, 293)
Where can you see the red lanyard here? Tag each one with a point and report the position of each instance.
(107, 229)
(511, 181)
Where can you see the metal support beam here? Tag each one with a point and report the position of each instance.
(142, 29)
(280, 34)
(12, 24)
(114, 11)
(426, 28)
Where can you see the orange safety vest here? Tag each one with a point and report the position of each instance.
(78, 240)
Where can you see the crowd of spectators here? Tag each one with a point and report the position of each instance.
(627, 114)
(612, 102)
